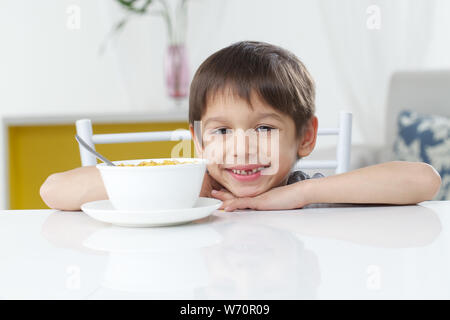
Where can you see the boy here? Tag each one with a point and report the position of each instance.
(267, 91)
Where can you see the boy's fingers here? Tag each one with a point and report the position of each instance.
(231, 203)
(225, 203)
(222, 195)
(241, 203)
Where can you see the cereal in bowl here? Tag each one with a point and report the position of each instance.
(153, 163)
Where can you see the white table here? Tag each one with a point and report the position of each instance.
(363, 252)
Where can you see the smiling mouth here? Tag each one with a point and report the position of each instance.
(243, 171)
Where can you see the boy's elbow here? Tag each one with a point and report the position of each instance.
(50, 193)
(431, 180)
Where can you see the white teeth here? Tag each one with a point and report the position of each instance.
(244, 173)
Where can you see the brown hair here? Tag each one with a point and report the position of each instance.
(275, 74)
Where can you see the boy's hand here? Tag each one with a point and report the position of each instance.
(280, 198)
(208, 185)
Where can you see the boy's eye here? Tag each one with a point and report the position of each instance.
(263, 128)
(222, 131)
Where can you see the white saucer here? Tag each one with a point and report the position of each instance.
(103, 210)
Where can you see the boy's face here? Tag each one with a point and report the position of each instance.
(261, 141)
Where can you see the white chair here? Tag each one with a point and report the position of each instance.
(341, 164)
(343, 149)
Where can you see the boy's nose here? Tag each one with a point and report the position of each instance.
(243, 146)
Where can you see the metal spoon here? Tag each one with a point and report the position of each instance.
(95, 153)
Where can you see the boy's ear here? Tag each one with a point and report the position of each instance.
(308, 140)
(198, 149)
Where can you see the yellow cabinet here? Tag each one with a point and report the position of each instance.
(36, 151)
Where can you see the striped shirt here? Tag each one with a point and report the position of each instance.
(297, 176)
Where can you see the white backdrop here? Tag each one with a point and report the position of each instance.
(370, 41)
(49, 68)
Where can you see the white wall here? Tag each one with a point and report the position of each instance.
(48, 68)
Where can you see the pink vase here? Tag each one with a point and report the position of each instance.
(177, 71)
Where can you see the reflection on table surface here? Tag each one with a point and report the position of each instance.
(320, 252)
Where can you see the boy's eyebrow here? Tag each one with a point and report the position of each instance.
(268, 115)
(214, 119)
(261, 116)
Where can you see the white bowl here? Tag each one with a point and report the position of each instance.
(175, 186)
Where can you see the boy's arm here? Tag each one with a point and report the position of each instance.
(70, 189)
(394, 182)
